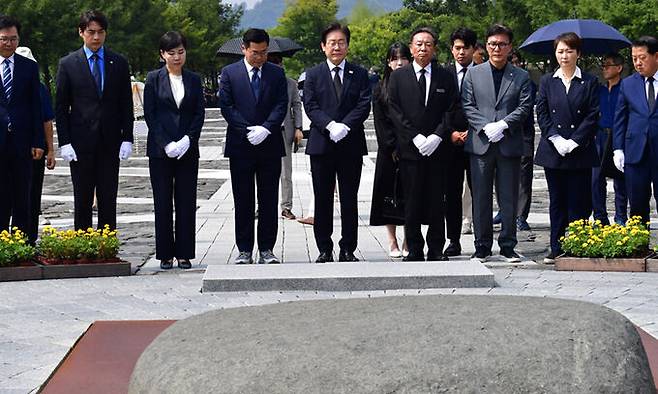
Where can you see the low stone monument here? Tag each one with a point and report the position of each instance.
(413, 344)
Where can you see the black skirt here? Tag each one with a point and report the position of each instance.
(382, 187)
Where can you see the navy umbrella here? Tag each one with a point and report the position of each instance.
(598, 38)
(279, 45)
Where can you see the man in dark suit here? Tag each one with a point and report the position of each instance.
(636, 127)
(424, 99)
(94, 113)
(337, 100)
(496, 99)
(21, 130)
(253, 97)
(462, 46)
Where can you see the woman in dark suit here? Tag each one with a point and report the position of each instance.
(174, 113)
(398, 55)
(567, 113)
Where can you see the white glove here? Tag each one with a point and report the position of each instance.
(126, 150)
(68, 153)
(571, 145)
(183, 145)
(431, 143)
(171, 149)
(419, 141)
(561, 145)
(618, 159)
(337, 131)
(494, 131)
(257, 134)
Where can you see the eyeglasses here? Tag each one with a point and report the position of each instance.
(337, 44)
(500, 45)
(5, 40)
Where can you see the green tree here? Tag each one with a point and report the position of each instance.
(303, 21)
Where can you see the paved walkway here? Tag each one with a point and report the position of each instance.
(41, 320)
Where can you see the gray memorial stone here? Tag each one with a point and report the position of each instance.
(423, 344)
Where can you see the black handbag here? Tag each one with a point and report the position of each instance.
(608, 168)
(393, 207)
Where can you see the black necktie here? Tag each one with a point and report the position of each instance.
(461, 81)
(338, 85)
(652, 95)
(255, 83)
(422, 85)
(96, 73)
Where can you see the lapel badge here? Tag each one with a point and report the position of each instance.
(350, 71)
(440, 90)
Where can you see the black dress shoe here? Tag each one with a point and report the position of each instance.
(344, 255)
(453, 249)
(167, 264)
(414, 257)
(436, 257)
(184, 264)
(325, 257)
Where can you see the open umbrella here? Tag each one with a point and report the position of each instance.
(279, 45)
(598, 38)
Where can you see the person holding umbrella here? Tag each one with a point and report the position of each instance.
(567, 113)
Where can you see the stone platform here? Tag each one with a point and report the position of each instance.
(347, 276)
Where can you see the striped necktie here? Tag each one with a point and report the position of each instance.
(6, 78)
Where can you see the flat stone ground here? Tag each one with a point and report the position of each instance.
(41, 320)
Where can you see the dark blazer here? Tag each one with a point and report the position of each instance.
(411, 117)
(167, 122)
(322, 106)
(459, 121)
(573, 116)
(23, 108)
(481, 106)
(633, 122)
(241, 110)
(83, 118)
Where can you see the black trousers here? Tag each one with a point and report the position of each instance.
(15, 179)
(570, 199)
(525, 187)
(265, 172)
(423, 191)
(174, 184)
(325, 169)
(36, 188)
(97, 172)
(453, 189)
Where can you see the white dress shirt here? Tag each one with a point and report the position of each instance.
(250, 67)
(460, 74)
(177, 88)
(341, 73)
(428, 77)
(567, 81)
(655, 85)
(11, 64)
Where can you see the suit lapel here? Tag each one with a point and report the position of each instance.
(434, 81)
(348, 74)
(487, 83)
(326, 76)
(187, 86)
(165, 85)
(109, 70)
(84, 69)
(246, 80)
(508, 76)
(264, 73)
(575, 93)
(641, 87)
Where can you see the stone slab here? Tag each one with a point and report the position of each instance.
(600, 264)
(424, 344)
(346, 276)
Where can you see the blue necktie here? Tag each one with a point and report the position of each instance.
(96, 73)
(6, 78)
(255, 83)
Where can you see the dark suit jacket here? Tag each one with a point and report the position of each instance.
(83, 118)
(167, 122)
(23, 109)
(322, 106)
(573, 116)
(241, 110)
(411, 117)
(634, 125)
(481, 106)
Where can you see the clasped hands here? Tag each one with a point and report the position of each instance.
(427, 145)
(494, 130)
(562, 145)
(337, 131)
(178, 148)
(257, 134)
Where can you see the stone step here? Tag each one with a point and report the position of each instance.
(346, 276)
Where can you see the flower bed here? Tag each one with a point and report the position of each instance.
(78, 247)
(14, 249)
(591, 246)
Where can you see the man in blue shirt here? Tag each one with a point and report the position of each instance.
(608, 94)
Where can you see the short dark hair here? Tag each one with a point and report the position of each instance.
(572, 40)
(92, 16)
(480, 45)
(335, 26)
(647, 41)
(467, 35)
(275, 58)
(518, 56)
(171, 40)
(499, 29)
(616, 58)
(256, 36)
(7, 21)
(424, 29)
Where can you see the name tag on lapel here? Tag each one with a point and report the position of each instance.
(440, 90)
